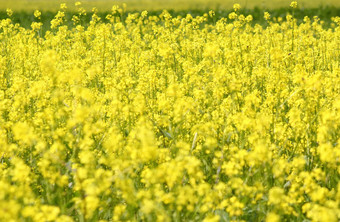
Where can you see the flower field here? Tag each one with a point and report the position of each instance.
(142, 117)
(150, 5)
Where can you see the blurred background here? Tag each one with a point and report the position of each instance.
(106, 5)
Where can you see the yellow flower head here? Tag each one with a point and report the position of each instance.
(37, 14)
(294, 4)
(9, 12)
(266, 15)
(236, 7)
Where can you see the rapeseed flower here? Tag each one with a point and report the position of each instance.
(162, 118)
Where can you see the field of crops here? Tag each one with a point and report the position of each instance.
(104, 5)
(229, 115)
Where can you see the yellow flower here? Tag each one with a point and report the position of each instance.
(24, 133)
(212, 218)
(294, 4)
(236, 7)
(63, 6)
(266, 15)
(162, 117)
(272, 217)
(148, 206)
(37, 14)
(276, 195)
(9, 12)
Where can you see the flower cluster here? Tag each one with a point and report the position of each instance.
(161, 118)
